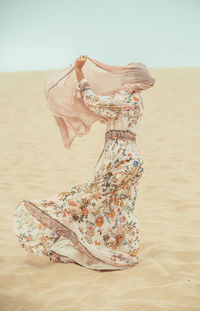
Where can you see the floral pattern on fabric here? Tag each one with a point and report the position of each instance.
(98, 217)
(110, 106)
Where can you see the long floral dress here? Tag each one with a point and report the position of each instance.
(94, 224)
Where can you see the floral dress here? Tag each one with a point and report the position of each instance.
(94, 224)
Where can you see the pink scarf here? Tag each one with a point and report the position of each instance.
(70, 112)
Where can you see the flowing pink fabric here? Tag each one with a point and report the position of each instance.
(71, 113)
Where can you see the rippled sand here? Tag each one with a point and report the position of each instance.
(35, 164)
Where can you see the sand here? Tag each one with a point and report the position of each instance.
(35, 164)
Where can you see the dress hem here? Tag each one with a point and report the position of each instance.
(61, 230)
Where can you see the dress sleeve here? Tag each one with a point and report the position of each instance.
(107, 106)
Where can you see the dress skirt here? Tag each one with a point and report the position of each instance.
(94, 224)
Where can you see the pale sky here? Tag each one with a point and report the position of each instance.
(46, 34)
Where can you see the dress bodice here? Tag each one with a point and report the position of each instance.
(130, 119)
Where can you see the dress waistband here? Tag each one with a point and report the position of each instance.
(120, 134)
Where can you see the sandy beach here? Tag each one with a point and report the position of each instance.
(35, 164)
